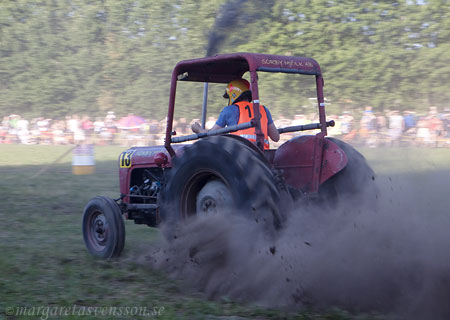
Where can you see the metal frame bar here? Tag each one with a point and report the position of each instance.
(255, 63)
(282, 70)
(229, 129)
(205, 104)
(311, 126)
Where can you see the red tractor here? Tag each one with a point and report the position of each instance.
(225, 172)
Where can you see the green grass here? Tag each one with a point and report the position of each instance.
(22, 155)
(44, 261)
(404, 160)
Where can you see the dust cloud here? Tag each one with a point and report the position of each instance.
(391, 258)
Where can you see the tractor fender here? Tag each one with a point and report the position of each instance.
(296, 160)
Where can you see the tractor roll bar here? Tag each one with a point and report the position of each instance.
(229, 129)
(304, 127)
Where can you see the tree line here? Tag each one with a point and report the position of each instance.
(60, 57)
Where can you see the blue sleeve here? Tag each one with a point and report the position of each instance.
(269, 116)
(229, 116)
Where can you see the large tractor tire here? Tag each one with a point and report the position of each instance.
(355, 182)
(103, 228)
(219, 175)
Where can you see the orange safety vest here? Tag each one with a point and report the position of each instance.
(246, 115)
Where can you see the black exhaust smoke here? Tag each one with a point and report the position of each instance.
(227, 18)
(236, 15)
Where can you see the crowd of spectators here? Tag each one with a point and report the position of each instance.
(395, 128)
(363, 128)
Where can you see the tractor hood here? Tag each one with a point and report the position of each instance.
(147, 156)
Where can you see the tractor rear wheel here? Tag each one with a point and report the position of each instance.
(355, 181)
(103, 228)
(213, 198)
(220, 175)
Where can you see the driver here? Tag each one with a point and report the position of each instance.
(240, 110)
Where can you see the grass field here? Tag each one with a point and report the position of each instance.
(44, 262)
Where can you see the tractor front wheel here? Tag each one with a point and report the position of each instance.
(103, 228)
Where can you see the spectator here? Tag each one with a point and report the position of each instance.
(299, 120)
(282, 121)
(435, 126)
(446, 126)
(22, 130)
(336, 130)
(368, 127)
(410, 121)
(98, 124)
(183, 126)
(4, 127)
(87, 125)
(381, 127)
(58, 130)
(347, 126)
(73, 124)
(12, 128)
(110, 118)
(396, 127)
(432, 129)
(423, 136)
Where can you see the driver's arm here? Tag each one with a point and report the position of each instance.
(273, 132)
(197, 128)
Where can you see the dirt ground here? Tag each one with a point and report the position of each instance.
(389, 257)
